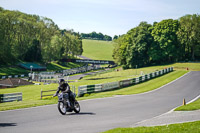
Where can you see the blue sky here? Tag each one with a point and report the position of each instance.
(111, 17)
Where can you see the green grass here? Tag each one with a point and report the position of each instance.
(53, 66)
(5, 70)
(98, 50)
(30, 95)
(190, 127)
(189, 107)
(183, 66)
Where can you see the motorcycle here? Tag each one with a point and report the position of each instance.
(68, 105)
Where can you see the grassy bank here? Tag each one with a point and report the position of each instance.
(190, 127)
(12, 70)
(52, 66)
(98, 50)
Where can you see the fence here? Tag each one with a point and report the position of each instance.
(10, 97)
(51, 75)
(53, 92)
(44, 76)
(13, 76)
(123, 83)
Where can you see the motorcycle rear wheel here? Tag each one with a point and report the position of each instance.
(62, 109)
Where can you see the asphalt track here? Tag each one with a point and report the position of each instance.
(99, 115)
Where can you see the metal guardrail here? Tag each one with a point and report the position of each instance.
(13, 76)
(10, 97)
(87, 89)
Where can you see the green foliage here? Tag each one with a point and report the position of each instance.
(189, 37)
(165, 42)
(132, 48)
(96, 36)
(33, 38)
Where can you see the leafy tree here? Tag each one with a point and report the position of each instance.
(33, 38)
(164, 48)
(115, 37)
(189, 36)
(119, 51)
(96, 36)
(140, 43)
(132, 48)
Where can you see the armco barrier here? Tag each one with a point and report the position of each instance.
(123, 83)
(110, 86)
(10, 97)
(13, 76)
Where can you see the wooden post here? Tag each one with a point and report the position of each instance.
(184, 103)
(41, 94)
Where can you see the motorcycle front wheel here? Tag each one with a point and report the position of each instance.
(62, 109)
(76, 107)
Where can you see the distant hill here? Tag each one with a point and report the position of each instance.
(98, 50)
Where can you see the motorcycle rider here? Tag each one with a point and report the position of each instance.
(67, 93)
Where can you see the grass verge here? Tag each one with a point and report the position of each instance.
(190, 127)
(189, 107)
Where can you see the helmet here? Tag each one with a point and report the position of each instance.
(61, 81)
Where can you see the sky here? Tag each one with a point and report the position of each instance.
(110, 17)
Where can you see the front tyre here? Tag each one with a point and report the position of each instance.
(62, 108)
(77, 108)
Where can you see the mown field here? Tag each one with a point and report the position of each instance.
(98, 50)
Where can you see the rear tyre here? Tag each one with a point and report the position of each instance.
(62, 109)
(77, 108)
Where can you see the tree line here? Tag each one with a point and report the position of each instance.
(163, 42)
(96, 36)
(25, 37)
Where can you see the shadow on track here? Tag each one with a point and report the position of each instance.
(7, 124)
(82, 113)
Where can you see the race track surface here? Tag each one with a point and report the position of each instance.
(99, 115)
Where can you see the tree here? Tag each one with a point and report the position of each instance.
(140, 41)
(115, 37)
(28, 37)
(96, 36)
(132, 48)
(119, 51)
(164, 48)
(189, 36)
